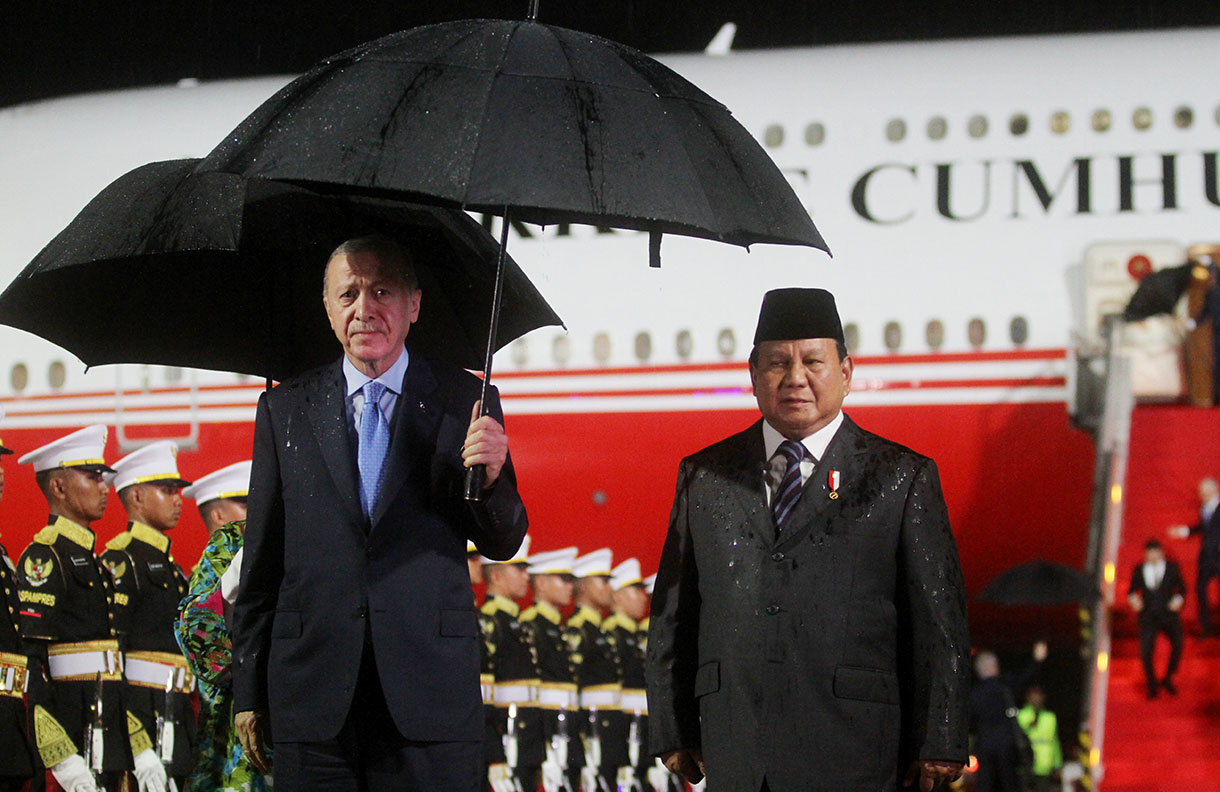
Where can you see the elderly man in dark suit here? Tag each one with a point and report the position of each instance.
(355, 636)
(808, 624)
(1208, 528)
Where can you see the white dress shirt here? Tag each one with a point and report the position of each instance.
(815, 444)
(1154, 574)
(391, 378)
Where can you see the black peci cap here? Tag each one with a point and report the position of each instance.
(789, 314)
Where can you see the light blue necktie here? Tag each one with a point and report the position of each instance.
(374, 442)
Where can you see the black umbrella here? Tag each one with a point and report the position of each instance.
(1158, 292)
(214, 271)
(519, 118)
(1039, 583)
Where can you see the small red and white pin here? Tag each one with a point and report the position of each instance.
(833, 479)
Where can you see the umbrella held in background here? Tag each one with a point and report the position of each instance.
(1039, 583)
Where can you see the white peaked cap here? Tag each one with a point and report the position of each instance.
(231, 481)
(553, 562)
(519, 557)
(650, 582)
(592, 564)
(626, 574)
(154, 462)
(470, 548)
(81, 449)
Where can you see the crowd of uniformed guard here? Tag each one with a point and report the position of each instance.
(101, 647)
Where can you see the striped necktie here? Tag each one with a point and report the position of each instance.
(789, 489)
(373, 444)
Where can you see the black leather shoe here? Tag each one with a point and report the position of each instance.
(1167, 683)
(1151, 693)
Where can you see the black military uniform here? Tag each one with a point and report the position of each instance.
(597, 677)
(557, 692)
(148, 587)
(16, 757)
(628, 642)
(514, 666)
(66, 618)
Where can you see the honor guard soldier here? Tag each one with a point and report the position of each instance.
(594, 660)
(82, 729)
(622, 748)
(148, 586)
(516, 752)
(16, 759)
(220, 496)
(551, 578)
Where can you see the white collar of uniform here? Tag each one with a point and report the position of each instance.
(391, 378)
(815, 443)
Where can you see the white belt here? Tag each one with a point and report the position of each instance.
(634, 700)
(14, 679)
(601, 698)
(83, 661)
(514, 693)
(558, 695)
(488, 686)
(155, 669)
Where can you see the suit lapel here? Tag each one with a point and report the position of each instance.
(326, 410)
(816, 508)
(746, 468)
(416, 419)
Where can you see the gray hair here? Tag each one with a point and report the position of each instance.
(388, 251)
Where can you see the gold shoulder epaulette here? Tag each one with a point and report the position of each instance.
(47, 536)
(119, 542)
(530, 614)
(610, 623)
(577, 621)
(489, 608)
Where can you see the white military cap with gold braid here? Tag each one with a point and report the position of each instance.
(553, 562)
(84, 448)
(626, 574)
(154, 462)
(519, 557)
(231, 481)
(592, 564)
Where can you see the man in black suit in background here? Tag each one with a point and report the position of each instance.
(355, 637)
(808, 625)
(1208, 529)
(1157, 593)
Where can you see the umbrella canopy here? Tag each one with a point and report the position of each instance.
(1039, 583)
(214, 271)
(1158, 292)
(562, 126)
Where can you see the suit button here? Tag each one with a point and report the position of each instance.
(777, 556)
(362, 612)
(772, 610)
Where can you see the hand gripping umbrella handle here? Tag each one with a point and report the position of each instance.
(475, 474)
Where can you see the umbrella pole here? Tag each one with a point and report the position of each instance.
(473, 488)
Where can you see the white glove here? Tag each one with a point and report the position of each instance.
(588, 779)
(73, 775)
(500, 778)
(593, 752)
(230, 581)
(658, 777)
(552, 775)
(625, 778)
(150, 773)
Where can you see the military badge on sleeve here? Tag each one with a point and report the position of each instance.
(38, 570)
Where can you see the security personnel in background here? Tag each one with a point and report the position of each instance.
(148, 586)
(516, 751)
(551, 578)
(594, 658)
(624, 745)
(221, 495)
(16, 759)
(67, 621)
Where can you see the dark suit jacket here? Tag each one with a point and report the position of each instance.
(825, 660)
(316, 575)
(1156, 601)
(1209, 548)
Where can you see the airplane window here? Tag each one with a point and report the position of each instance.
(520, 351)
(19, 377)
(726, 342)
(1142, 118)
(601, 347)
(773, 136)
(1018, 124)
(1018, 330)
(173, 374)
(1061, 122)
(851, 336)
(815, 134)
(56, 374)
(684, 344)
(934, 334)
(1183, 117)
(938, 127)
(977, 126)
(976, 332)
(1101, 120)
(561, 350)
(893, 336)
(895, 130)
(643, 346)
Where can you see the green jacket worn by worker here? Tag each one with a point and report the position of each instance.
(1042, 728)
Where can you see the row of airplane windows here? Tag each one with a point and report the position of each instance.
(937, 128)
(642, 349)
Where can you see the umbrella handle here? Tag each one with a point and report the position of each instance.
(472, 488)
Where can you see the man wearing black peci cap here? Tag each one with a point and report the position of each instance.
(808, 624)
